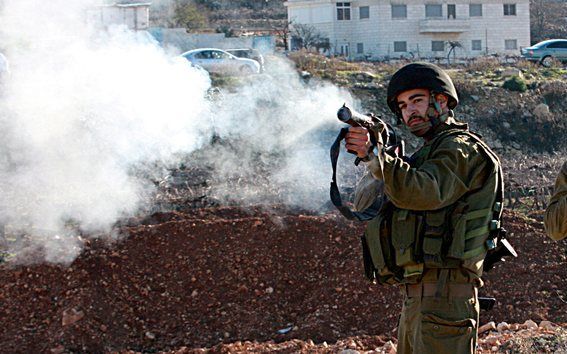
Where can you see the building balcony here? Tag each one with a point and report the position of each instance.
(443, 25)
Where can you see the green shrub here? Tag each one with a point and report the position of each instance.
(515, 83)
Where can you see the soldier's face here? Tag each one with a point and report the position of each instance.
(414, 104)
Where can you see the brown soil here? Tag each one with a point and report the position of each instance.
(261, 279)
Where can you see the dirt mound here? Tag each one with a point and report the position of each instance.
(222, 275)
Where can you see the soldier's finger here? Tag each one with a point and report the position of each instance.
(357, 148)
(356, 135)
(360, 130)
(358, 142)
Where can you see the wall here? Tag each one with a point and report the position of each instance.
(178, 40)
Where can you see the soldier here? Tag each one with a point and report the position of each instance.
(556, 213)
(443, 204)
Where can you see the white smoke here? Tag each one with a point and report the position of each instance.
(78, 111)
(81, 110)
(287, 121)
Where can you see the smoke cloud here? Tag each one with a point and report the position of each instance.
(83, 110)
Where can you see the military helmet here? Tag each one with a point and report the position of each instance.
(421, 76)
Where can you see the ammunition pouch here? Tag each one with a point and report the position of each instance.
(379, 255)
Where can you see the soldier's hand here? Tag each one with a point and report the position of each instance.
(358, 141)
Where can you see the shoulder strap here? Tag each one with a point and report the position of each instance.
(365, 215)
(495, 228)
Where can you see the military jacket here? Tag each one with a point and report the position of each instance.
(556, 214)
(447, 189)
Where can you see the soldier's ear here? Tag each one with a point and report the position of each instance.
(443, 101)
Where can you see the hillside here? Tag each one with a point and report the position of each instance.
(201, 272)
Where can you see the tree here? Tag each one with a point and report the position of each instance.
(189, 16)
(547, 19)
(283, 33)
(308, 37)
(452, 46)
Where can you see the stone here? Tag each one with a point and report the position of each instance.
(497, 144)
(365, 76)
(541, 110)
(547, 325)
(71, 316)
(490, 326)
(58, 350)
(349, 351)
(493, 341)
(506, 125)
(512, 72)
(475, 98)
(529, 324)
(389, 348)
(502, 326)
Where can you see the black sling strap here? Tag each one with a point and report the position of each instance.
(365, 215)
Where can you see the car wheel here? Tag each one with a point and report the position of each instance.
(246, 70)
(547, 61)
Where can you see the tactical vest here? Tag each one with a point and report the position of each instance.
(399, 243)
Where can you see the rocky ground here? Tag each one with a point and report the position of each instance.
(257, 279)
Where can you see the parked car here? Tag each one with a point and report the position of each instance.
(219, 61)
(545, 52)
(250, 54)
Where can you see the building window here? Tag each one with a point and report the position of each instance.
(400, 46)
(476, 44)
(433, 10)
(437, 46)
(509, 9)
(399, 11)
(475, 10)
(451, 11)
(364, 12)
(359, 48)
(343, 11)
(510, 44)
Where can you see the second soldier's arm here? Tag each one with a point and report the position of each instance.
(555, 219)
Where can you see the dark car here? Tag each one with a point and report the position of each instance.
(248, 53)
(547, 51)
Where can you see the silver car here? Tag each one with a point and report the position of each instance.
(545, 52)
(219, 61)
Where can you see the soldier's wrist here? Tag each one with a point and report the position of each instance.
(369, 157)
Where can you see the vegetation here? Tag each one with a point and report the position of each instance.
(547, 19)
(515, 83)
(189, 16)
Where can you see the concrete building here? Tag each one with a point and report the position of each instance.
(417, 28)
(136, 16)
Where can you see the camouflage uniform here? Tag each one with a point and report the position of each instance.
(434, 227)
(556, 214)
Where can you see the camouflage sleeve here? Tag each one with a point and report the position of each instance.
(454, 168)
(555, 219)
